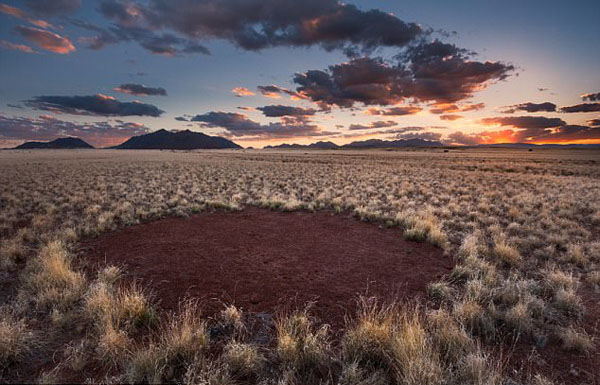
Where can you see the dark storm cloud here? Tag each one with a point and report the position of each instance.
(430, 72)
(53, 7)
(238, 125)
(47, 40)
(140, 90)
(45, 128)
(525, 121)
(279, 110)
(594, 122)
(98, 104)
(395, 111)
(591, 97)
(377, 124)
(583, 107)
(258, 24)
(530, 107)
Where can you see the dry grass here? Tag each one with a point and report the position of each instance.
(16, 340)
(573, 339)
(523, 229)
(54, 282)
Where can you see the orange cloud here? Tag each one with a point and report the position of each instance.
(47, 40)
(450, 117)
(242, 91)
(395, 111)
(20, 14)
(16, 47)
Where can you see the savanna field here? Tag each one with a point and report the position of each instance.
(518, 230)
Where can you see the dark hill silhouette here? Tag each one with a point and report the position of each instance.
(317, 145)
(370, 143)
(61, 143)
(176, 140)
(378, 143)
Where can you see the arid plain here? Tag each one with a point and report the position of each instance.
(465, 266)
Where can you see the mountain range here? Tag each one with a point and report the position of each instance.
(370, 143)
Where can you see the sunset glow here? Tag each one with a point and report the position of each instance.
(358, 68)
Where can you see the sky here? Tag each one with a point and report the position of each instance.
(265, 72)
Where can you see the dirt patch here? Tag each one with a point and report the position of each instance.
(263, 260)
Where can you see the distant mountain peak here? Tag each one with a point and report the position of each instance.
(60, 143)
(176, 140)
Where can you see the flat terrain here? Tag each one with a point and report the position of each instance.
(262, 261)
(493, 257)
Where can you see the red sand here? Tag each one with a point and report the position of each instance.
(263, 260)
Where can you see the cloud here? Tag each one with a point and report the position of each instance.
(238, 125)
(377, 124)
(20, 14)
(451, 117)
(446, 108)
(472, 107)
(525, 121)
(561, 134)
(431, 136)
(242, 91)
(49, 41)
(594, 122)
(591, 97)
(258, 24)
(53, 7)
(395, 111)
(166, 44)
(98, 104)
(17, 47)
(279, 110)
(461, 138)
(45, 128)
(530, 107)
(583, 107)
(389, 131)
(140, 90)
(442, 108)
(275, 92)
(431, 72)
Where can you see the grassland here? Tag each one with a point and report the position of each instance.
(524, 228)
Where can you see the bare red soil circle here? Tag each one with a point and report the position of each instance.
(262, 260)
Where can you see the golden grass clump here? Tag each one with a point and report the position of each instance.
(573, 339)
(395, 341)
(16, 339)
(506, 253)
(448, 335)
(301, 345)
(54, 283)
(242, 358)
